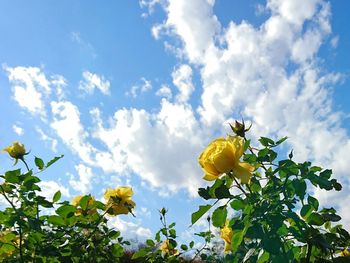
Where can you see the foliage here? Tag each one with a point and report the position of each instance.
(262, 206)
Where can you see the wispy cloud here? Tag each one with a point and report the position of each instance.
(92, 81)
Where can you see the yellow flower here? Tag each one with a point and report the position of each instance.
(226, 235)
(345, 253)
(16, 151)
(119, 200)
(166, 249)
(76, 202)
(8, 238)
(222, 156)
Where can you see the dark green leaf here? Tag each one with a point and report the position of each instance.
(306, 210)
(263, 257)
(266, 141)
(313, 202)
(172, 233)
(331, 217)
(39, 163)
(204, 192)
(326, 174)
(315, 219)
(184, 247)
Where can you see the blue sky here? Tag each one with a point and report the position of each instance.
(131, 92)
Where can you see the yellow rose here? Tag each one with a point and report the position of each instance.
(119, 200)
(226, 234)
(222, 156)
(345, 253)
(16, 151)
(76, 202)
(166, 250)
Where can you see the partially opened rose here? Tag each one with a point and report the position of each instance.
(223, 156)
(16, 151)
(119, 200)
(89, 210)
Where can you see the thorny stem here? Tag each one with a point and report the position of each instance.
(204, 246)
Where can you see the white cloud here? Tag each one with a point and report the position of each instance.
(49, 188)
(29, 82)
(84, 182)
(44, 137)
(165, 92)
(182, 79)
(18, 130)
(130, 230)
(92, 81)
(66, 123)
(270, 74)
(135, 90)
(162, 148)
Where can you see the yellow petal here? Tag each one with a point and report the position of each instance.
(210, 177)
(243, 171)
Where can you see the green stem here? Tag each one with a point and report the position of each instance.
(19, 223)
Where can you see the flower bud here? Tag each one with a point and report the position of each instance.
(16, 151)
(239, 128)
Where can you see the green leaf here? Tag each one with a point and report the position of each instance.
(184, 247)
(306, 210)
(13, 176)
(172, 233)
(300, 187)
(172, 225)
(263, 256)
(237, 239)
(331, 217)
(191, 244)
(56, 220)
(201, 211)
(139, 254)
(313, 201)
(56, 196)
(237, 204)
(150, 243)
(219, 216)
(315, 219)
(84, 201)
(204, 193)
(326, 174)
(281, 140)
(51, 162)
(266, 141)
(39, 163)
(222, 192)
(66, 210)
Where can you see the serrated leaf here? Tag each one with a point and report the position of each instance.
(201, 211)
(51, 162)
(39, 163)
